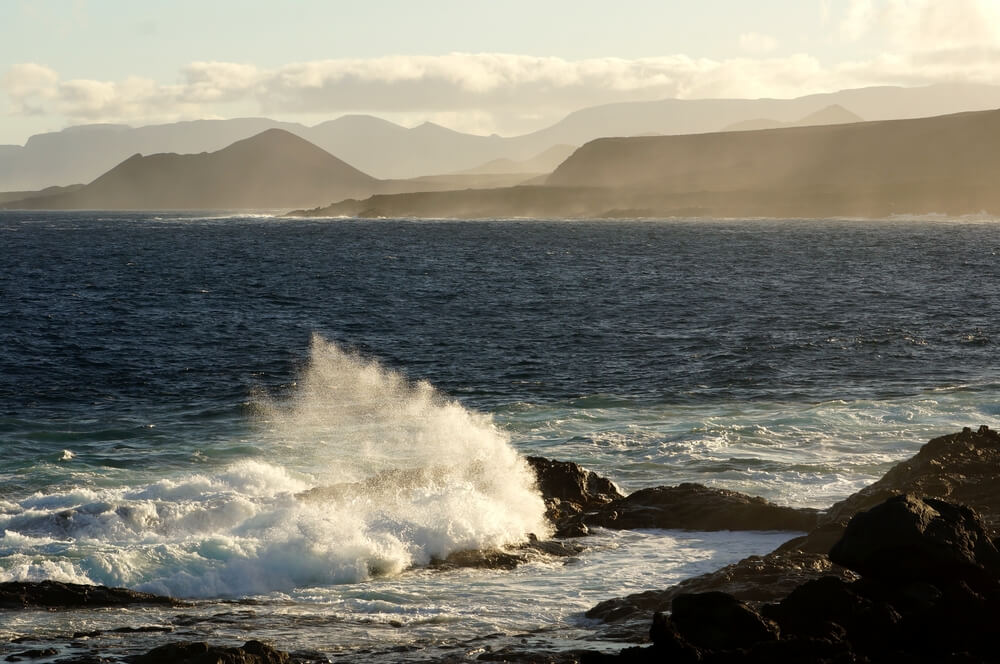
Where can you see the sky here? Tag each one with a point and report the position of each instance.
(473, 65)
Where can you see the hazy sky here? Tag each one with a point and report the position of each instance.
(474, 65)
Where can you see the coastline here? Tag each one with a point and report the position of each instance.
(956, 468)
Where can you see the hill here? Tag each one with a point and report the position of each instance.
(386, 150)
(544, 162)
(947, 164)
(273, 169)
(834, 114)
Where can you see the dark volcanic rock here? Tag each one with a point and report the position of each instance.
(569, 490)
(31, 654)
(755, 579)
(509, 558)
(251, 652)
(961, 468)
(929, 592)
(908, 538)
(718, 621)
(58, 595)
(697, 507)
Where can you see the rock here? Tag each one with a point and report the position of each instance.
(961, 468)
(907, 538)
(696, 507)
(190, 652)
(31, 654)
(58, 595)
(509, 558)
(569, 490)
(668, 642)
(828, 608)
(754, 579)
(718, 621)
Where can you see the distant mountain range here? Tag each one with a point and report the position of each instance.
(386, 150)
(274, 169)
(835, 114)
(946, 164)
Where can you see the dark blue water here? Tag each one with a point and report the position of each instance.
(169, 384)
(131, 313)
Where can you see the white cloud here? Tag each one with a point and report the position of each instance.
(29, 86)
(860, 18)
(755, 42)
(957, 41)
(921, 25)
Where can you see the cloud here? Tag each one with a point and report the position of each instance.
(945, 42)
(754, 42)
(859, 19)
(921, 25)
(29, 86)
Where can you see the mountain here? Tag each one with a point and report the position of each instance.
(544, 162)
(387, 150)
(274, 169)
(947, 164)
(834, 114)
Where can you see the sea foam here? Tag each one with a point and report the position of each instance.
(362, 473)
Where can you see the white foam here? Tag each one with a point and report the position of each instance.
(430, 478)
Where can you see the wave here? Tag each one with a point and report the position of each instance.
(365, 474)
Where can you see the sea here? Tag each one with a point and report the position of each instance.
(171, 385)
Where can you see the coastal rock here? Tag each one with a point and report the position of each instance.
(59, 595)
(754, 579)
(31, 654)
(696, 507)
(719, 621)
(929, 592)
(569, 490)
(907, 538)
(191, 652)
(960, 468)
(509, 558)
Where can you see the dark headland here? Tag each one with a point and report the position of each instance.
(947, 164)
(274, 169)
(258, 172)
(905, 570)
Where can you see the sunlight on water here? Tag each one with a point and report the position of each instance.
(400, 475)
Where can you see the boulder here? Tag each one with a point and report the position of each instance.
(719, 621)
(59, 595)
(192, 652)
(960, 468)
(907, 538)
(754, 579)
(569, 490)
(695, 507)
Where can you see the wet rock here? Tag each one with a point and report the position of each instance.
(251, 652)
(31, 654)
(509, 558)
(907, 538)
(718, 621)
(960, 468)
(828, 608)
(696, 507)
(754, 579)
(58, 595)
(569, 490)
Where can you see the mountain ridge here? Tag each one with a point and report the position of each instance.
(945, 164)
(387, 150)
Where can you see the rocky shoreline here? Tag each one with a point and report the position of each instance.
(906, 569)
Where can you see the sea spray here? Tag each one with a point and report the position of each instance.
(362, 473)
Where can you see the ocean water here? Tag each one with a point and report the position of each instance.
(170, 383)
